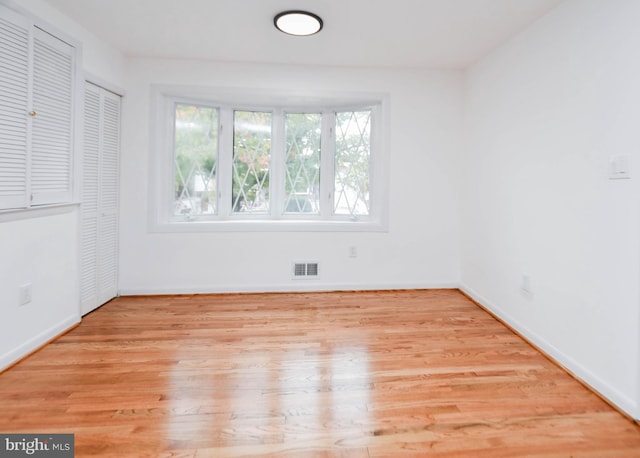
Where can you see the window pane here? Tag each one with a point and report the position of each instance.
(302, 171)
(195, 160)
(251, 156)
(353, 150)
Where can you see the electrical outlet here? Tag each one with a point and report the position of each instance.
(353, 251)
(25, 294)
(619, 167)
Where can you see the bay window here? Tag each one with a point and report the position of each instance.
(240, 166)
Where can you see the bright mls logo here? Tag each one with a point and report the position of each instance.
(36, 445)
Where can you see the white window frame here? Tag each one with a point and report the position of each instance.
(161, 190)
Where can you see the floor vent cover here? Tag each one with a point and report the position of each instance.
(305, 270)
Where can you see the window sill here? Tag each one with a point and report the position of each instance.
(270, 226)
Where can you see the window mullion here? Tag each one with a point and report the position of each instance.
(169, 196)
(225, 161)
(327, 168)
(277, 164)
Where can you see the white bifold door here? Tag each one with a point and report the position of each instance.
(99, 209)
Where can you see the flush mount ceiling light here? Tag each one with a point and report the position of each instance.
(299, 23)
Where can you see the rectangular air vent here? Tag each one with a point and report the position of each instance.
(305, 270)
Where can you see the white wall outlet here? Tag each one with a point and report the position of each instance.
(619, 167)
(353, 251)
(25, 294)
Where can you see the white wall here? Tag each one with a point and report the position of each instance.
(41, 251)
(41, 247)
(420, 249)
(543, 114)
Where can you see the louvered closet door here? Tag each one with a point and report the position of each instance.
(108, 199)
(89, 206)
(14, 103)
(99, 210)
(52, 122)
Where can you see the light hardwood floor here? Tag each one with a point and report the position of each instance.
(351, 374)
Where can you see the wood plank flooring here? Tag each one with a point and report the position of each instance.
(350, 374)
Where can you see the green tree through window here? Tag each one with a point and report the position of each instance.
(251, 161)
(302, 171)
(195, 160)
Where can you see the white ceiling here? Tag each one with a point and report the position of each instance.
(443, 34)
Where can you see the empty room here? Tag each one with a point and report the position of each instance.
(353, 228)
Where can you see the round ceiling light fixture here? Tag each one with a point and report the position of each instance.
(298, 23)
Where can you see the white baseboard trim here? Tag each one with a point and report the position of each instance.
(298, 287)
(581, 373)
(36, 342)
